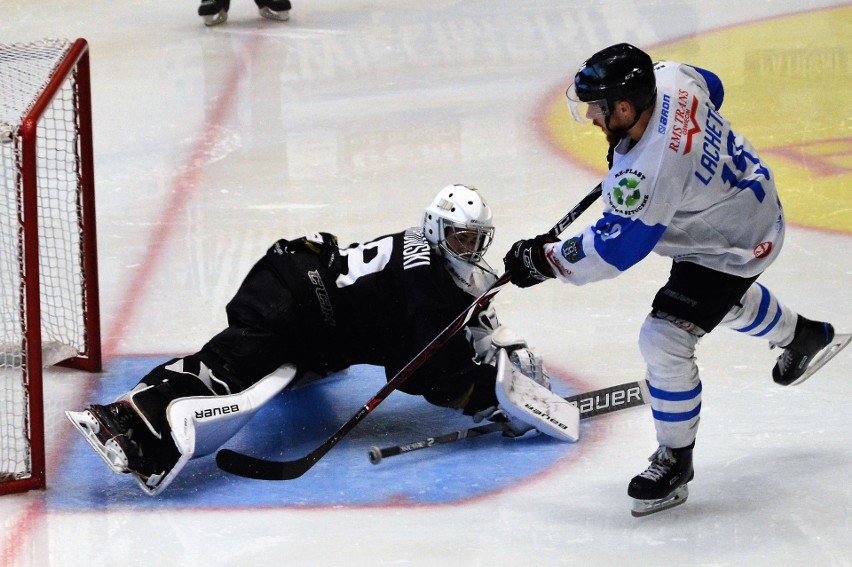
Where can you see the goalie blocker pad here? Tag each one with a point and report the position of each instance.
(202, 424)
(533, 404)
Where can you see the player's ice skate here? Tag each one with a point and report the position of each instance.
(813, 345)
(214, 12)
(274, 9)
(663, 484)
(646, 507)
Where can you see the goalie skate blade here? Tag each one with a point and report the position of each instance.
(841, 341)
(647, 507)
(89, 427)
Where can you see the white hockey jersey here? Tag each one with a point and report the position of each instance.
(691, 189)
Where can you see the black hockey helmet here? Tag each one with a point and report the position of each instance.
(619, 72)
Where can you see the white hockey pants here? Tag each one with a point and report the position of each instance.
(669, 353)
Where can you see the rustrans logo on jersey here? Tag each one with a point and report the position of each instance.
(762, 249)
(626, 198)
(685, 125)
(212, 412)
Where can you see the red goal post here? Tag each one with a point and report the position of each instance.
(49, 305)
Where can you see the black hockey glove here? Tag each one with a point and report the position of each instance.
(526, 261)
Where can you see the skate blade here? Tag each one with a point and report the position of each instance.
(215, 19)
(89, 427)
(269, 14)
(111, 452)
(840, 341)
(647, 507)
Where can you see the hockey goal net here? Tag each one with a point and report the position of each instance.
(48, 257)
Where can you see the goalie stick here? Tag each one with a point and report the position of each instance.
(590, 404)
(253, 467)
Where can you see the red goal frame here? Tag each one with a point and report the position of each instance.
(74, 65)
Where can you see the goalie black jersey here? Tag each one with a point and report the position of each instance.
(381, 303)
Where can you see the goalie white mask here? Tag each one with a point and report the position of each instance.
(458, 223)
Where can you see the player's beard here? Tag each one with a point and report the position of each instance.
(614, 137)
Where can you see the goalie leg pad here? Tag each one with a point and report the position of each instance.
(201, 424)
(533, 404)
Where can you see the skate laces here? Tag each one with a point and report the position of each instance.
(661, 463)
(785, 360)
(124, 417)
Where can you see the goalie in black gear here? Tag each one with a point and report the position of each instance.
(313, 306)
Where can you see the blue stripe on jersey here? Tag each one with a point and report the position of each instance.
(674, 396)
(623, 242)
(714, 83)
(679, 416)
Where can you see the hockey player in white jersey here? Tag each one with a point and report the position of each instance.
(682, 183)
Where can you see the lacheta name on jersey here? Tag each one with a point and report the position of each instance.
(712, 147)
(626, 198)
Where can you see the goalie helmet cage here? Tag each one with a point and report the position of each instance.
(48, 252)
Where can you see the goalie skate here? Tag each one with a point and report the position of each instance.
(110, 429)
(648, 507)
(110, 451)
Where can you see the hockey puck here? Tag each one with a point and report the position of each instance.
(375, 455)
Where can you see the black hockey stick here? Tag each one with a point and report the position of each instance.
(590, 404)
(253, 467)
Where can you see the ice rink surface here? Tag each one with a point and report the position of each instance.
(210, 144)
